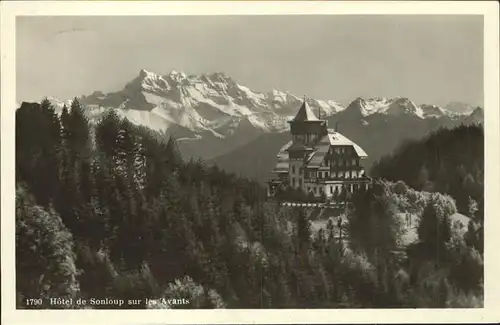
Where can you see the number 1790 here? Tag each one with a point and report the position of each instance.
(34, 302)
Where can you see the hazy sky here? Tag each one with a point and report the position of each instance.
(429, 59)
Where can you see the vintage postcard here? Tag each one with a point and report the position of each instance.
(249, 162)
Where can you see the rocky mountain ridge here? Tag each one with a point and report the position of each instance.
(211, 114)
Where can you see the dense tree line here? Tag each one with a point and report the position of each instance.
(448, 161)
(440, 269)
(106, 209)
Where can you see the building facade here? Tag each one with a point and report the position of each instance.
(318, 160)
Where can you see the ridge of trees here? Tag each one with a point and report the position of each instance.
(447, 160)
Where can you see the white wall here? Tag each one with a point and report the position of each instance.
(296, 175)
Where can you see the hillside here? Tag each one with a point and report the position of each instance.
(380, 134)
(256, 159)
(448, 160)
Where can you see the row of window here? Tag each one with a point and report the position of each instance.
(344, 162)
(305, 138)
(333, 172)
(340, 174)
(350, 187)
(339, 150)
(332, 188)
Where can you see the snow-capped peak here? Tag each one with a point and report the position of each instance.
(460, 108)
(58, 104)
(370, 106)
(145, 73)
(434, 111)
(177, 75)
(403, 105)
(386, 106)
(399, 106)
(211, 102)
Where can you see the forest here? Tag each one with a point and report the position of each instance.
(448, 161)
(107, 210)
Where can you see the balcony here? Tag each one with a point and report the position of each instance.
(317, 180)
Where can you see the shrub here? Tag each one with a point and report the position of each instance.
(45, 261)
(194, 294)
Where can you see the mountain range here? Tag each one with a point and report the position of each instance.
(215, 118)
(209, 114)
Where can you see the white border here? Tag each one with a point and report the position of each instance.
(490, 313)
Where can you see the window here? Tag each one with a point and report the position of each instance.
(300, 182)
(293, 181)
(293, 169)
(299, 138)
(331, 189)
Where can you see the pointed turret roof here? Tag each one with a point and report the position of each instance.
(305, 113)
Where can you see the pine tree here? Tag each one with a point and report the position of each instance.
(65, 124)
(434, 230)
(303, 229)
(79, 139)
(107, 133)
(174, 157)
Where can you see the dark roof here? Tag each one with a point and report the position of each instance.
(319, 155)
(305, 113)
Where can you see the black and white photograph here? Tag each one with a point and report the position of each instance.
(249, 161)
